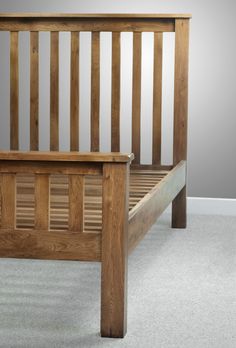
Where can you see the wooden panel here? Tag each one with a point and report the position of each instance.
(34, 90)
(87, 24)
(8, 198)
(115, 101)
(157, 98)
(66, 156)
(114, 250)
(180, 113)
(76, 203)
(42, 202)
(136, 98)
(95, 91)
(145, 213)
(52, 245)
(54, 92)
(74, 101)
(14, 92)
(38, 167)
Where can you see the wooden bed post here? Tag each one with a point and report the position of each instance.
(114, 249)
(180, 114)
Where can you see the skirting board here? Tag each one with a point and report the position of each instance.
(209, 206)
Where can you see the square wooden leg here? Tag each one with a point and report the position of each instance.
(179, 207)
(114, 251)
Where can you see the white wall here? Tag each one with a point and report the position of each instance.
(212, 83)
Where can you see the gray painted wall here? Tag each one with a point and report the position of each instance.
(212, 81)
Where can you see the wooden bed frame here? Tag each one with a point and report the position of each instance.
(92, 206)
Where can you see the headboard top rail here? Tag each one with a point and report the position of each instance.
(93, 15)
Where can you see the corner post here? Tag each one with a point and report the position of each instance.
(180, 114)
(114, 249)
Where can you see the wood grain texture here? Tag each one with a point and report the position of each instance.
(95, 91)
(34, 90)
(74, 96)
(114, 250)
(157, 99)
(76, 203)
(14, 91)
(180, 113)
(54, 92)
(115, 97)
(50, 245)
(87, 24)
(145, 213)
(8, 200)
(72, 156)
(42, 202)
(136, 96)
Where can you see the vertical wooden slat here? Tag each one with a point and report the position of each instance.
(95, 91)
(76, 203)
(42, 201)
(136, 98)
(8, 193)
(14, 92)
(157, 99)
(34, 90)
(74, 97)
(180, 113)
(54, 92)
(114, 249)
(115, 101)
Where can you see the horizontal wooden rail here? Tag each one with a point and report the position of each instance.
(72, 156)
(40, 244)
(145, 213)
(63, 23)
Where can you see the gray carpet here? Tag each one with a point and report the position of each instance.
(182, 293)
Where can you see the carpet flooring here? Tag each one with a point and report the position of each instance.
(181, 293)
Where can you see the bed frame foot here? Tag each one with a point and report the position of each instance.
(179, 218)
(114, 250)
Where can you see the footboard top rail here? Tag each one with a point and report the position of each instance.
(72, 156)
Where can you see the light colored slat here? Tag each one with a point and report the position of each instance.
(14, 91)
(42, 202)
(95, 91)
(8, 199)
(54, 92)
(76, 203)
(52, 245)
(70, 24)
(180, 114)
(74, 101)
(34, 90)
(157, 98)
(115, 101)
(136, 97)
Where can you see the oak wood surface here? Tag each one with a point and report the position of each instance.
(34, 91)
(148, 209)
(115, 97)
(92, 15)
(136, 96)
(180, 113)
(114, 250)
(157, 99)
(42, 202)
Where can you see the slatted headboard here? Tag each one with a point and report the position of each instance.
(96, 23)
